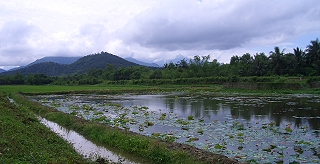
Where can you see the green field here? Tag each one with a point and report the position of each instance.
(116, 88)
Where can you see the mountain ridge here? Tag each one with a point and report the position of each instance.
(133, 60)
(82, 65)
(2, 70)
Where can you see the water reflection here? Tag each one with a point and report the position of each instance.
(244, 124)
(84, 146)
(297, 110)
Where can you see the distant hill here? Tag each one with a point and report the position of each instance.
(56, 59)
(130, 59)
(174, 60)
(82, 65)
(2, 70)
(97, 61)
(48, 68)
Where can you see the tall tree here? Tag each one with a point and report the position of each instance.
(246, 61)
(277, 61)
(299, 57)
(313, 55)
(260, 64)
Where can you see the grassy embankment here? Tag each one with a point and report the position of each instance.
(117, 88)
(149, 148)
(25, 140)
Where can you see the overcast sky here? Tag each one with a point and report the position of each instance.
(153, 30)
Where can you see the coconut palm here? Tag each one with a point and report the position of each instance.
(313, 51)
(313, 55)
(299, 57)
(277, 61)
(260, 64)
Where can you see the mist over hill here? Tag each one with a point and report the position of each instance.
(130, 59)
(2, 70)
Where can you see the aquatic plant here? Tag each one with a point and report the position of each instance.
(86, 107)
(200, 131)
(163, 116)
(288, 129)
(148, 123)
(193, 139)
(190, 117)
(183, 122)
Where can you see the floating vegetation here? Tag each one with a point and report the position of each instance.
(148, 123)
(193, 139)
(225, 128)
(200, 131)
(183, 122)
(288, 129)
(163, 116)
(190, 117)
(86, 107)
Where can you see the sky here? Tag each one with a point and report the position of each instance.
(153, 30)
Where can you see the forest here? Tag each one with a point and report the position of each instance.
(200, 69)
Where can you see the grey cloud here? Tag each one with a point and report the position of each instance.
(15, 39)
(205, 25)
(16, 33)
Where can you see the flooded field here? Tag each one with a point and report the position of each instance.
(264, 129)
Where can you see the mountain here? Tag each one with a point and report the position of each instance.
(130, 59)
(174, 60)
(2, 70)
(48, 68)
(56, 59)
(82, 65)
(97, 61)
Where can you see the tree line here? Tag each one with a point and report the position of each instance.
(277, 63)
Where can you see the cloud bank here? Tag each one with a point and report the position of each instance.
(153, 30)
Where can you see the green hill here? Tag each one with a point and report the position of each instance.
(94, 61)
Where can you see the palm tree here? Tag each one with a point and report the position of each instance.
(299, 57)
(260, 64)
(277, 62)
(313, 51)
(313, 55)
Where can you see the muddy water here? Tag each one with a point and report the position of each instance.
(89, 149)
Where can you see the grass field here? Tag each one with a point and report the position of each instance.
(109, 89)
(56, 89)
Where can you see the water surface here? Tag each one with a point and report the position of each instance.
(265, 129)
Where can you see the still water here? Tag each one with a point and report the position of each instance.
(297, 110)
(87, 148)
(264, 129)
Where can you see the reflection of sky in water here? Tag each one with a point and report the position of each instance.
(299, 111)
(223, 116)
(82, 145)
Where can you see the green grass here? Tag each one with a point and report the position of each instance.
(25, 140)
(113, 88)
